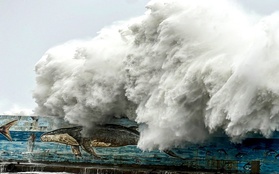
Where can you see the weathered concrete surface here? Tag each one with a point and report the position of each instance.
(96, 169)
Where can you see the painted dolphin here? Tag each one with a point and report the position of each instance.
(5, 129)
(109, 135)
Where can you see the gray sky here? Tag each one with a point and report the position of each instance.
(31, 27)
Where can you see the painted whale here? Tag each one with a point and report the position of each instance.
(5, 129)
(103, 136)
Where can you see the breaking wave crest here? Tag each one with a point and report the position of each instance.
(183, 70)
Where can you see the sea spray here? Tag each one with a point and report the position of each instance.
(89, 74)
(183, 70)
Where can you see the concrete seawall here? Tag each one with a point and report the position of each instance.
(95, 169)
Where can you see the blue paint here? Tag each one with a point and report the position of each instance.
(216, 153)
(203, 156)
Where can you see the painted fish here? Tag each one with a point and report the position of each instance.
(240, 155)
(5, 129)
(270, 152)
(109, 135)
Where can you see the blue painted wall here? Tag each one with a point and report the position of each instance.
(216, 153)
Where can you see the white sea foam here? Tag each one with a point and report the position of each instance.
(183, 70)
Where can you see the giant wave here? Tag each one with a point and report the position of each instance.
(183, 70)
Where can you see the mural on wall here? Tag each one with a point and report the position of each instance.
(109, 135)
(49, 139)
(103, 136)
